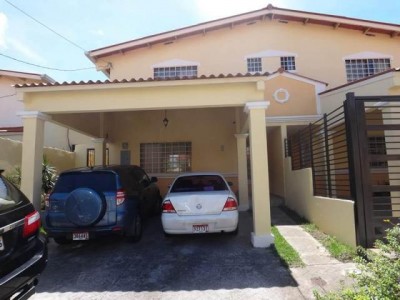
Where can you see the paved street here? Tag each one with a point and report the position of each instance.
(180, 267)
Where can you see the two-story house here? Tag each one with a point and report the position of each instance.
(206, 97)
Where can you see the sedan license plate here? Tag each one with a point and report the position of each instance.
(1, 243)
(203, 228)
(80, 236)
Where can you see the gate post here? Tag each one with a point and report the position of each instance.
(355, 167)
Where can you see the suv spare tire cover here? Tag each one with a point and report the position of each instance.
(85, 207)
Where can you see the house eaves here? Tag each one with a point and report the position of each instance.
(26, 76)
(270, 13)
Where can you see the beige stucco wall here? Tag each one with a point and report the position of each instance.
(11, 153)
(211, 132)
(386, 84)
(316, 47)
(301, 97)
(332, 216)
(275, 161)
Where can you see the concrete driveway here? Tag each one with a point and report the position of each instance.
(178, 267)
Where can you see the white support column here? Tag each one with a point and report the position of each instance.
(32, 155)
(99, 151)
(242, 170)
(283, 138)
(261, 237)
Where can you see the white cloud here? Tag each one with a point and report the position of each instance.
(12, 44)
(98, 32)
(213, 9)
(3, 29)
(24, 50)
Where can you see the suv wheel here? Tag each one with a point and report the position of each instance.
(85, 207)
(134, 232)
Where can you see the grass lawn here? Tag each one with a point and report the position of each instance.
(338, 250)
(288, 255)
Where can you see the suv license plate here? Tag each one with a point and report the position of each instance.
(200, 228)
(1, 243)
(80, 236)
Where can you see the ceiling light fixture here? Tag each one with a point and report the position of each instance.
(165, 121)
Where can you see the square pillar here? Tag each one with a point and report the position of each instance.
(243, 181)
(99, 151)
(32, 155)
(283, 138)
(261, 237)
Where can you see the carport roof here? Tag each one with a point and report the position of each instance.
(154, 80)
(133, 80)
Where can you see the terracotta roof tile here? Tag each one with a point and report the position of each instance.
(132, 80)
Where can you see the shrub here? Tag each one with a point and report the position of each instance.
(49, 177)
(379, 272)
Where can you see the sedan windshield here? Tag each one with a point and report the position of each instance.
(199, 183)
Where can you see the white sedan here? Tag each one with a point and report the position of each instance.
(200, 203)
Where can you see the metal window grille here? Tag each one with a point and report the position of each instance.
(166, 157)
(254, 65)
(175, 72)
(360, 68)
(90, 157)
(377, 146)
(288, 63)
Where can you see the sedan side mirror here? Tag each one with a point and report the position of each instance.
(230, 183)
(153, 179)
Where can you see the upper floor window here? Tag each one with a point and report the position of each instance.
(288, 63)
(175, 72)
(360, 68)
(254, 65)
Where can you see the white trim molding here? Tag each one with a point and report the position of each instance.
(33, 114)
(270, 53)
(367, 55)
(256, 105)
(285, 97)
(175, 63)
(293, 119)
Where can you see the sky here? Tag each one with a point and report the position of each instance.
(92, 24)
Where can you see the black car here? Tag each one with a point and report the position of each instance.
(90, 202)
(23, 249)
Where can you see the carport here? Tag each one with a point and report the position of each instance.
(233, 106)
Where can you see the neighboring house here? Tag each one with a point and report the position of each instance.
(11, 127)
(212, 95)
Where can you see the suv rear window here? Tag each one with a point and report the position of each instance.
(199, 183)
(98, 181)
(10, 196)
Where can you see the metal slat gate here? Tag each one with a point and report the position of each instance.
(373, 138)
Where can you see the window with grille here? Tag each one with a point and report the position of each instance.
(175, 72)
(91, 155)
(377, 146)
(166, 157)
(360, 68)
(288, 63)
(254, 65)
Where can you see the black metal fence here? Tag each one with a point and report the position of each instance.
(322, 146)
(354, 153)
